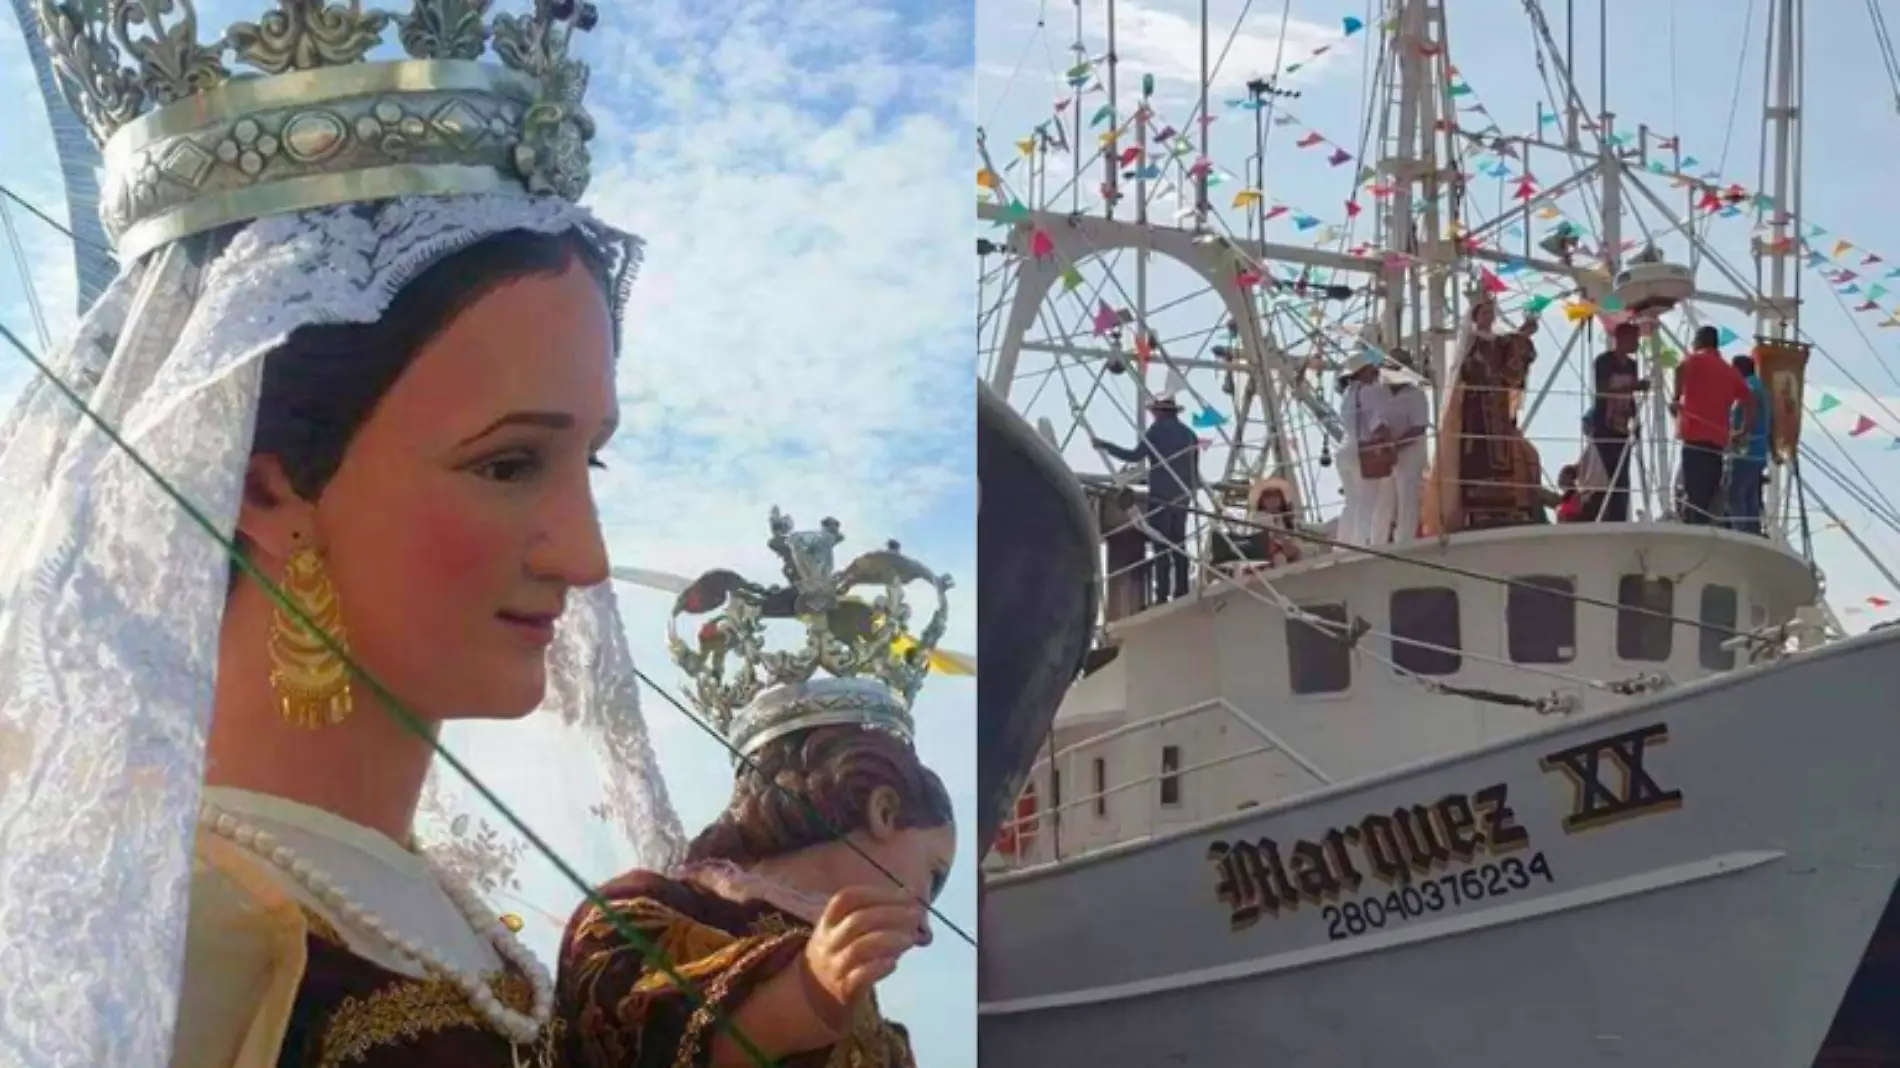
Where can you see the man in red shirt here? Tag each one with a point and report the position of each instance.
(1707, 388)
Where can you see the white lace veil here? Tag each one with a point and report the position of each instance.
(111, 598)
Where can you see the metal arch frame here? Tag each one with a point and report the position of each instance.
(1080, 238)
(79, 163)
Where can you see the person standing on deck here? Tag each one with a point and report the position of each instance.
(1408, 416)
(1613, 419)
(1362, 414)
(1750, 465)
(1172, 452)
(1706, 388)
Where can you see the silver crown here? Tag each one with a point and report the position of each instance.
(873, 666)
(192, 140)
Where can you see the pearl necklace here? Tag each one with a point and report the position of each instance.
(518, 1028)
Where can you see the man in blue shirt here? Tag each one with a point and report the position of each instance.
(1172, 452)
(1749, 465)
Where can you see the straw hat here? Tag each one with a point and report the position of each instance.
(1164, 404)
(1273, 482)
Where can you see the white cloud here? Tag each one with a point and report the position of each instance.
(1165, 39)
(799, 310)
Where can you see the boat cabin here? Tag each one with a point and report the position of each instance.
(1221, 701)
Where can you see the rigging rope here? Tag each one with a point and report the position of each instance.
(26, 275)
(1884, 41)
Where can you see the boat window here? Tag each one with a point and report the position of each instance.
(1428, 614)
(1170, 782)
(1644, 627)
(1318, 659)
(1101, 786)
(1720, 609)
(1540, 618)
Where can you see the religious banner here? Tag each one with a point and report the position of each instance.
(1783, 369)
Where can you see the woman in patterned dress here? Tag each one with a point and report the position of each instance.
(1485, 472)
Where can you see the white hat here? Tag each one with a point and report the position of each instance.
(1365, 357)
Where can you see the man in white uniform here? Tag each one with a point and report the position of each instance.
(1406, 412)
(1362, 414)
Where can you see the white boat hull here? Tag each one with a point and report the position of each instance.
(1716, 919)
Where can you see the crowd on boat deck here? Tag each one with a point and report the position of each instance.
(1489, 475)
(1405, 475)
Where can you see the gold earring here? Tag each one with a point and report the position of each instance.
(312, 683)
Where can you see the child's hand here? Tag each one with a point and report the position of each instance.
(857, 943)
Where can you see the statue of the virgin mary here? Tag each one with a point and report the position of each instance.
(328, 490)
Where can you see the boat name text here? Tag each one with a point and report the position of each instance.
(1259, 877)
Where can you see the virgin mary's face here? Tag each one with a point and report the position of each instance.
(462, 514)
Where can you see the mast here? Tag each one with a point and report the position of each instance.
(1781, 119)
(1400, 164)
(1075, 116)
(1412, 168)
(1200, 180)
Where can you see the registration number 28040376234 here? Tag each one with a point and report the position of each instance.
(1456, 890)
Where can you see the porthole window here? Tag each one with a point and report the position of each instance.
(1427, 615)
(1318, 658)
(1540, 619)
(1721, 609)
(1645, 624)
(1170, 779)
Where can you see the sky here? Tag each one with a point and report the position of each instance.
(799, 337)
(1688, 67)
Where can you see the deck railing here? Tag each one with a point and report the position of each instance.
(1037, 836)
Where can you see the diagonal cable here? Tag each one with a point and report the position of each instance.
(830, 828)
(408, 720)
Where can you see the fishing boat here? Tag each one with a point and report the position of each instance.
(1497, 793)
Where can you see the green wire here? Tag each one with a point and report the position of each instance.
(650, 952)
(751, 766)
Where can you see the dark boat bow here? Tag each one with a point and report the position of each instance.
(1038, 589)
